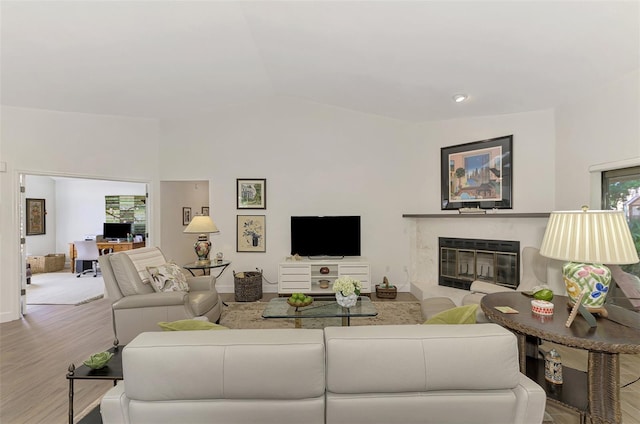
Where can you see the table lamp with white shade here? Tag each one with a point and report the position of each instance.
(587, 240)
(202, 225)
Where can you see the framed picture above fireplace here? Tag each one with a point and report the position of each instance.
(477, 174)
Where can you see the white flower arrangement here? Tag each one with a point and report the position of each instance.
(347, 285)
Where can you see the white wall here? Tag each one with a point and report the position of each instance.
(42, 188)
(597, 127)
(318, 160)
(72, 144)
(533, 187)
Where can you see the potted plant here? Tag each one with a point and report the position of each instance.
(347, 290)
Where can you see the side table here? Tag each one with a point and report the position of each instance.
(596, 394)
(112, 371)
(207, 267)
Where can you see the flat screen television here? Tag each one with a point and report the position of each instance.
(322, 236)
(116, 230)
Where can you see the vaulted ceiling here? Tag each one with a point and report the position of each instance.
(400, 59)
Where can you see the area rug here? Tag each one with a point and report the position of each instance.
(64, 288)
(249, 315)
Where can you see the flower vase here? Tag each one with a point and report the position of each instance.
(346, 301)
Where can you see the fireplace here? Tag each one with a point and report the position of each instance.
(463, 261)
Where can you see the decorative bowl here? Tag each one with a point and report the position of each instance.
(324, 270)
(541, 307)
(98, 360)
(324, 284)
(301, 305)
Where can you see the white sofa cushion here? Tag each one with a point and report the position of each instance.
(239, 364)
(440, 357)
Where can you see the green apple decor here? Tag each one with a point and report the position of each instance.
(299, 300)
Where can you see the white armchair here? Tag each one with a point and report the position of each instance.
(137, 307)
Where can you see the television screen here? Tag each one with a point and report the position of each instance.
(325, 235)
(116, 230)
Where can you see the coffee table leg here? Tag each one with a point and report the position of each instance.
(603, 388)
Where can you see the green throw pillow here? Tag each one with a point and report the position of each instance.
(459, 315)
(190, 324)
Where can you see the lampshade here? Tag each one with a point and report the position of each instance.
(588, 240)
(201, 224)
(589, 236)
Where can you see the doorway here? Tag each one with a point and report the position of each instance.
(74, 209)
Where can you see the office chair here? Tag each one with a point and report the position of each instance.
(87, 252)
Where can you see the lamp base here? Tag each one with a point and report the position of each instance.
(595, 278)
(202, 248)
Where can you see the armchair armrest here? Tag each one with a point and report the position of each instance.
(202, 283)
(487, 288)
(151, 300)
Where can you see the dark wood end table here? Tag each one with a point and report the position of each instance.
(596, 394)
(112, 371)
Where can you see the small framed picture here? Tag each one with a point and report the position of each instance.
(186, 215)
(36, 223)
(251, 233)
(205, 211)
(251, 193)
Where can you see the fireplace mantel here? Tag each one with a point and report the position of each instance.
(478, 215)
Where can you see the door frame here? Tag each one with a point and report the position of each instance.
(21, 196)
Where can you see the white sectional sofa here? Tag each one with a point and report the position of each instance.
(365, 374)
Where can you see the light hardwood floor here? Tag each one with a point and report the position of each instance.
(36, 351)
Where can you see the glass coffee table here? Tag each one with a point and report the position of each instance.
(322, 307)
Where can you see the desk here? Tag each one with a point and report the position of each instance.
(206, 267)
(117, 247)
(598, 392)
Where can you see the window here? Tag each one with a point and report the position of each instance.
(621, 191)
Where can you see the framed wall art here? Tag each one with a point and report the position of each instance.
(251, 193)
(205, 211)
(477, 175)
(186, 215)
(251, 235)
(36, 217)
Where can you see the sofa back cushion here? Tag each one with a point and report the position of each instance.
(376, 359)
(274, 364)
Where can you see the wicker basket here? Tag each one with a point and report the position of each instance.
(247, 286)
(47, 263)
(386, 293)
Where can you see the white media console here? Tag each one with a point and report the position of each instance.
(304, 276)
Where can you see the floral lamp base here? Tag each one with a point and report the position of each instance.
(595, 278)
(202, 247)
(346, 301)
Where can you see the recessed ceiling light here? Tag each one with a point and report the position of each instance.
(459, 98)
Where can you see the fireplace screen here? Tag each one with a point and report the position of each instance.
(463, 261)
